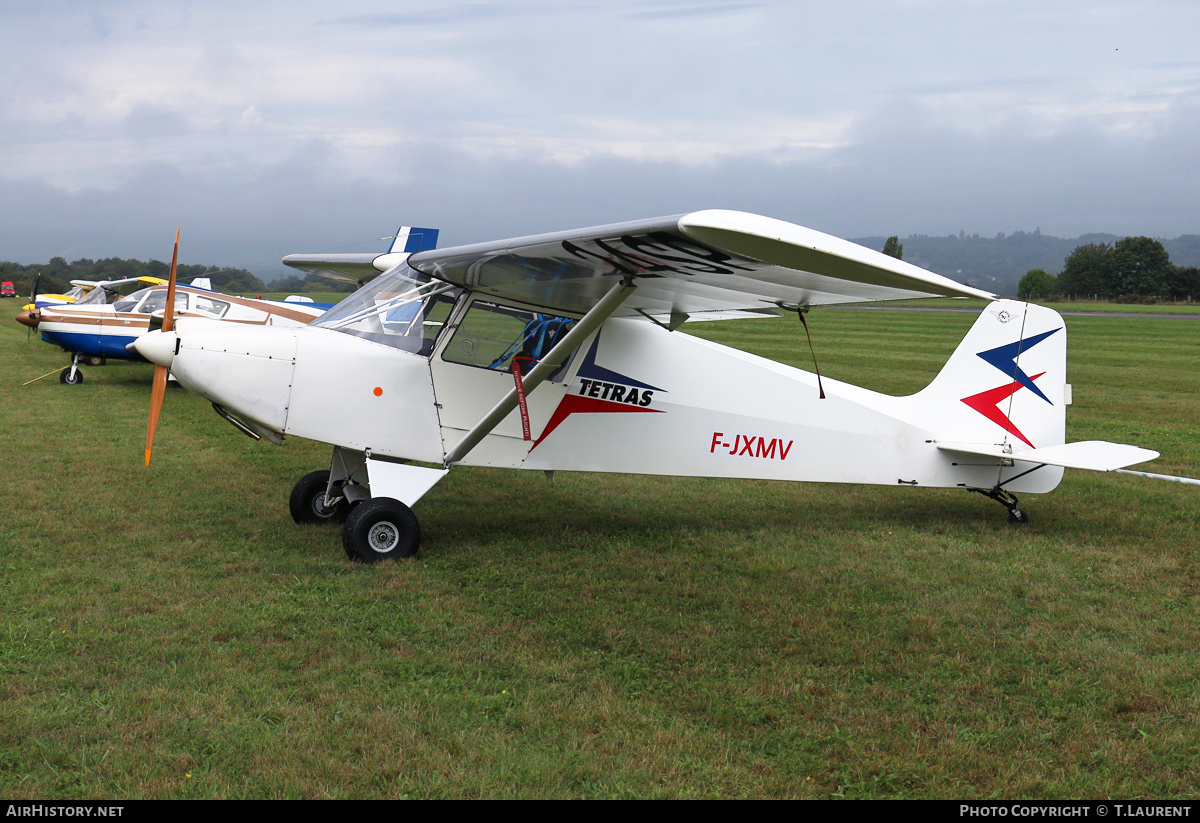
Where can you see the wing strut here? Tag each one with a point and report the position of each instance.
(553, 359)
(800, 313)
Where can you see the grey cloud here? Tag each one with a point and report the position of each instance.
(434, 15)
(922, 178)
(675, 11)
(509, 118)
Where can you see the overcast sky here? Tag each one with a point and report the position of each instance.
(265, 128)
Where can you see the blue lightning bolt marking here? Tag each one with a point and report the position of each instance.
(591, 370)
(1005, 359)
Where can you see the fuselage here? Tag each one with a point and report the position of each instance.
(410, 379)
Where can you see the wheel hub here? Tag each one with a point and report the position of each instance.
(321, 506)
(383, 537)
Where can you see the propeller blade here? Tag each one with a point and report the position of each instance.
(159, 389)
(33, 293)
(157, 392)
(169, 316)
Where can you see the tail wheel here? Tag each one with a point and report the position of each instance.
(308, 504)
(381, 529)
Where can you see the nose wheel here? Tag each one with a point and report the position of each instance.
(71, 375)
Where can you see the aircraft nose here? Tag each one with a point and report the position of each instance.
(246, 370)
(29, 318)
(157, 346)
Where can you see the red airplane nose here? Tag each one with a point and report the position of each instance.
(29, 318)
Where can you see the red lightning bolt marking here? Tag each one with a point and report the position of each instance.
(573, 404)
(987, 403)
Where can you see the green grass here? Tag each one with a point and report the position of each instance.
(169, 632)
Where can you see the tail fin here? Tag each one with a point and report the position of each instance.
(1005, 385)
(411, 239)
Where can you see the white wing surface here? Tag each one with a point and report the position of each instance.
(349, 268)
(694, 263)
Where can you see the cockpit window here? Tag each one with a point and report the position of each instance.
(95, 295)
(209, 306)
(401, 308)
(157, 301)
(151, 299)
(129, 302)
(492, 336)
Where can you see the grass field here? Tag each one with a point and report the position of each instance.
(169, 633)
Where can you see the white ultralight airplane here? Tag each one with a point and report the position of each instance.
(559, 352)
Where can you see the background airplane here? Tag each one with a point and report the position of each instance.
(93, 330)
(94, 291)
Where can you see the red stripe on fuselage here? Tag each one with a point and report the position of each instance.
(574, 404)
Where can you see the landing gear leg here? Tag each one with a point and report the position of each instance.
(1008, 500)
(71, 376)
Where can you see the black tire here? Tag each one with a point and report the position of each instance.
(381, 529)
(1017, 516)
(96, 360)
(65, 376)
(307, 503)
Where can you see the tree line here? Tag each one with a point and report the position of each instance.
(1134, 269)
(997, 263)
(56, 276)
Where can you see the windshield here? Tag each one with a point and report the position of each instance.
(96, 295)
(402, 308)
(156, 301)
(129, 302)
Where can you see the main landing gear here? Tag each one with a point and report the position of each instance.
(376, 528)
(309, 503)
(381, 529)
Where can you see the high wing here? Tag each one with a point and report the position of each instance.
(124, 281)
(349, 268)
(704, 261)
(358, 268)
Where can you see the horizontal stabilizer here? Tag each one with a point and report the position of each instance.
(1094, 455)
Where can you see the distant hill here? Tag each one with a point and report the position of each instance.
(998, 263)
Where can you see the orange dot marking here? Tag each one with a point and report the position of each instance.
(378, 391)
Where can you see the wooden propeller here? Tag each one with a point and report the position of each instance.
(159, 388)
